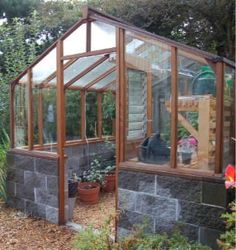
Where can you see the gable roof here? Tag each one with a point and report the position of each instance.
(91, 14)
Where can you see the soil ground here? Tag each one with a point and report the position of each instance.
(97, 214)
(19, 232)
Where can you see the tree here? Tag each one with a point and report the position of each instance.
(18, 46)
(205, 24)
(16, 8)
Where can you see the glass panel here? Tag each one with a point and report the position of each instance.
(45, 67)
(102, 36)
(49, 116)
(229, 117)
(91, 114)
(108, 113)
(73, 114)
(148, 94)
(94, 73)
(196, 113)
(106, 81)
(76, 41)
(21, 116)
(78, 66)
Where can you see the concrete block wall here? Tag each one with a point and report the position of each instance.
(32, 185)
(80, 156)
(165, 203)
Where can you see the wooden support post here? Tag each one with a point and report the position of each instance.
(120, 109)
(88, 36)
(174, 105)
(149, 103)
(83, 114)
(61, 131)
(99, 100)
(121, 105)
(30, 110)
(40, 116)
(12, 115)
(219, 116)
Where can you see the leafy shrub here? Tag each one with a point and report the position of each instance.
(4, 147)
(90, 240)
(227, 240)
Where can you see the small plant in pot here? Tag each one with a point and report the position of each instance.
(186, 147)
(89, 187)
(109, 179)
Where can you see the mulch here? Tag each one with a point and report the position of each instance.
(95, 215)
(20, 232)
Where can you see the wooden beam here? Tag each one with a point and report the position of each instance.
(99, 78)
(61, 131)
(46, 81)
(40, 116)
(12, 115)
(86, 71)
(149, 103)
(88, 36)
(90, 53)
(219, 116)
(30, 111)
(99, 100)
(83, 114)
(107, 86)
(174, 105)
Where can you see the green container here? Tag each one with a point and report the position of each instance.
(205, 82)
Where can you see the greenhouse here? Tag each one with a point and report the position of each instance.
(161, 112)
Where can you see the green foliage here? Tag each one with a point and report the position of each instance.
(4, 147)
(88, 239)
(97, 171)
(192, 118)
(91, 114)
(18, 48)
(72, 108)
(13, 8)
(227, 240)
(208, 25)
(108, 112)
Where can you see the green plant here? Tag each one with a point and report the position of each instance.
(142, 241)
(4, 147)
(138, 240)
(227, 240)
(192, 117)
(96, 240)
(94, 174)
(108, 112)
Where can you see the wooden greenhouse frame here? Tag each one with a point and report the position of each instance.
(64, 61)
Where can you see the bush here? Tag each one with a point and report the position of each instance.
(4, 147)
(227, 240)
(90, 240)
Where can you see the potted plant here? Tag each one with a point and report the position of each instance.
(89, 187)
(187, 146)
(72, 193)
(109, 182)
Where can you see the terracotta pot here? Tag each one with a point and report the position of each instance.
(89, 192)
(109, 183)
